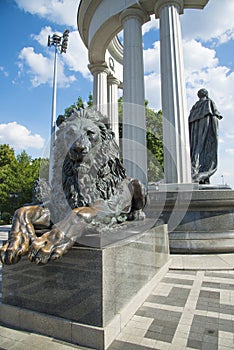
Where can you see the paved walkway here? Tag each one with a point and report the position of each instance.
(191, 308)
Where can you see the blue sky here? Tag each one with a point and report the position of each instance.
(26, 69)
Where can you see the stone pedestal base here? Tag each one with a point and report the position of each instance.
(89, 295)
(199, 221)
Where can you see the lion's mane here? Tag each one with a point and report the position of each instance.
(80, 184)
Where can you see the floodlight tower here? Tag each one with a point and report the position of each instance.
(59, 41)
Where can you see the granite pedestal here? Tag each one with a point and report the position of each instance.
(89, 295)
(199, 221)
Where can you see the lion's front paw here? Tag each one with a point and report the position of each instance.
(9, 255)
(50, 246)
(12, 251)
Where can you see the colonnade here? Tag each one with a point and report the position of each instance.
(177, 167)
(105, 94)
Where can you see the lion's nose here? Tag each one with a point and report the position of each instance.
(79, 147)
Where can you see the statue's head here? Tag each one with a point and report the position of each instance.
(86, 164)
(84, 133)
(202, 93)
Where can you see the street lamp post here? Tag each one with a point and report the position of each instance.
(59, 41)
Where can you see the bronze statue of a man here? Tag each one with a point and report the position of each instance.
(203, 134)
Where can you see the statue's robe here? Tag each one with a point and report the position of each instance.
(203, 134)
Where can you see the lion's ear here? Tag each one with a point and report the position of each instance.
(61, 118)
(112, 134)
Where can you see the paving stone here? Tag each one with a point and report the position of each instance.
(161, 327)
(182, 272)
(219, 274)
(177, 281)
(195, 344)
(119, 345)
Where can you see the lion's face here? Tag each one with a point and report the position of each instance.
(86, 164)
(81, 139)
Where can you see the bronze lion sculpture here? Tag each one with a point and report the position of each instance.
(89, 187)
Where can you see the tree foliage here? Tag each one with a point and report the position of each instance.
(79, 104)
(154, 140)
(17, 176)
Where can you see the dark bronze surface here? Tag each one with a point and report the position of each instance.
(203, 134)
(89, 189)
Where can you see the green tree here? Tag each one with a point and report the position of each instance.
(7, 155)
(28, 171)
(90, 100)
(78, 104)
(8, 177)
(154, 140)
(17, 176)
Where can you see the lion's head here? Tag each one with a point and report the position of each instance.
(86, 164)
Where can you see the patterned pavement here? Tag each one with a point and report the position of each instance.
(188, 309)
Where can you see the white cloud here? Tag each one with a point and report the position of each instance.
(202, 69)
(224, 174)
(219, 82)
(215, 21)
(4, 72)
(152, 59)
(153, 24)
(152, 76)
(153, 90)
(63, 12)
(76, 57)
(40, 68)
(19, 137)
(229, 136)
(42, 37)
(197, 57)
(230, 151)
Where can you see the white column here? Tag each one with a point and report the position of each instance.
(134, 128)
(100, 72)
(113, 113)
(177, 166)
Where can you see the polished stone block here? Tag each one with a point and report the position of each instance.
(199, 221)
(90, 290)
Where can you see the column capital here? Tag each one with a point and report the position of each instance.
(112, 80)
(162, 3)
(133, 12)
(98, 68)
